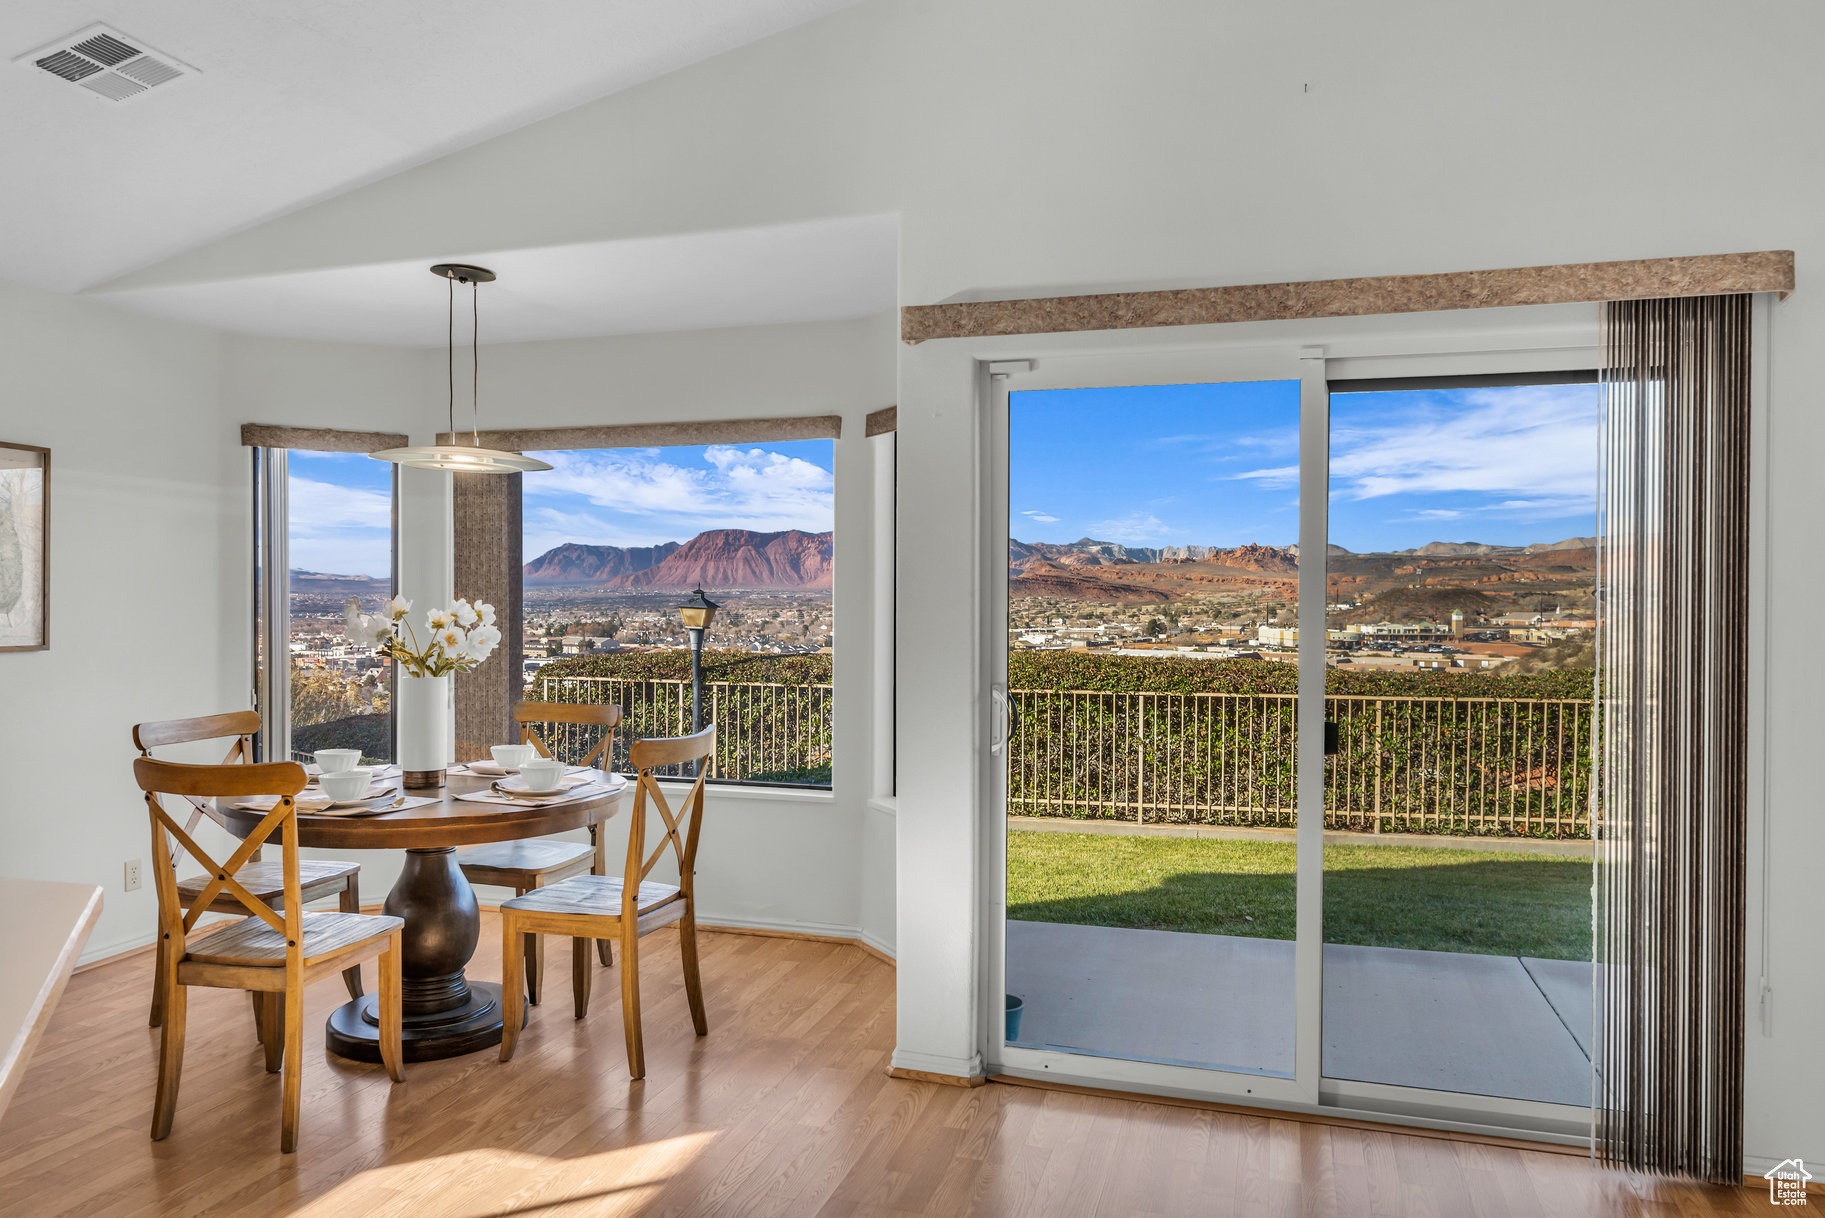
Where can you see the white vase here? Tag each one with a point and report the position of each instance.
(423, 725)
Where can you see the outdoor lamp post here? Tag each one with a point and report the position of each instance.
(698, 613)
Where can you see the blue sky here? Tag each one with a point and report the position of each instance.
(341, 520)
(645, 496)
(1217, 465)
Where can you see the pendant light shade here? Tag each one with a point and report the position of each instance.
(469, 458)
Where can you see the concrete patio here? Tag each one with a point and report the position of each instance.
(1507, 1026)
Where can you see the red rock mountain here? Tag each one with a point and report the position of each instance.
(737, 558)
(579, 564)
(719, 558)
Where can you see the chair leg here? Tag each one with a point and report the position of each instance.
(630, 1003)
(158, 987)
(693, 984)
(170, 1061)
(513, 985)
(259, 1015)
(600, 867)
(294, 1066)
(392, 1016)
(351, 903)
(580, 970)
(534, 948)
(269, 1008)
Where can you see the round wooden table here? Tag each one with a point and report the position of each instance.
(446, 1014)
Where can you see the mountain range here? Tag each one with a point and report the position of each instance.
(1092, 570)
(717, 558)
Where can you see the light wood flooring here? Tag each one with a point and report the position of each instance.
(784, 1109)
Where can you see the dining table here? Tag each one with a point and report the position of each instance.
(446, 1013)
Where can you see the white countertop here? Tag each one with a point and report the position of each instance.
(43, 926)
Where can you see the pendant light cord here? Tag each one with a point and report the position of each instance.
(450, 350)
(475, 356)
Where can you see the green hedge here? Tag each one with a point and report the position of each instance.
(1095, 671)
(734, 666)
(1179, 674)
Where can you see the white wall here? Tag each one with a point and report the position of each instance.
(1035, 144)
(149, 554)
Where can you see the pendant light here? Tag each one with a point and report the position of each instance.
(469, 458)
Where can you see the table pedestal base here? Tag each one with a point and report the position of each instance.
(353, 1030)
(445, 1014)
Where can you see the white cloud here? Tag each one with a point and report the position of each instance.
(338, 529)
(1040, 517)
(324, 505)
(1136, 528)
(1540, 443)
(646, 499)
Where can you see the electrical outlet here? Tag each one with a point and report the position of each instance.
(132, 875)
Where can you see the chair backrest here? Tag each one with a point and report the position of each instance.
(242, 725)
(681, 828)
(283, 779)
(605, 715)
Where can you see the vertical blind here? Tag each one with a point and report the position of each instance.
(1673, 706)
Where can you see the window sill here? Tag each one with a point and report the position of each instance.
(717, 793)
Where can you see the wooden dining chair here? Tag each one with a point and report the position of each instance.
(623, 907)
(319, 878)
(535, 862)
(271, 953)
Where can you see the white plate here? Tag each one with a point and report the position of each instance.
(517, 786)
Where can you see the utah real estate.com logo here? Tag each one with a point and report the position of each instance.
(1787, 1182)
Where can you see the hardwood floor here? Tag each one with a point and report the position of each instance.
(785, 1108)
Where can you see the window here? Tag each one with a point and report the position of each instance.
(324, 533)
(615, 539)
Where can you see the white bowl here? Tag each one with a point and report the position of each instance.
(542, 774)
(346, 784)
(332, 761)
(512, 756)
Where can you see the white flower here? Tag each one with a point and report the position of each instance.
(351, 616)
(464, 613)
(437, 619)
(487, 612)
(379, 630)
(398, 607)
(483, 640)
(453, 642)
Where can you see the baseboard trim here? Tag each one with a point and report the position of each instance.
(943, 1080)
(722, 928)
(1281, 1114)
(774, 932)
(113, 958)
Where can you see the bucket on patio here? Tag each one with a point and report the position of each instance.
(1014, 1008)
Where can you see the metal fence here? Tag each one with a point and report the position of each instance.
(1490, 766)
(764, 732)
(1496, 766)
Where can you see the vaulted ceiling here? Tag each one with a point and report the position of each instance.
(295, 101)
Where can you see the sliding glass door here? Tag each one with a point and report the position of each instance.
(1149, 864)
(1459, 670)
(1234, 593)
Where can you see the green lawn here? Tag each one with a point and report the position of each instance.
(1380, 896)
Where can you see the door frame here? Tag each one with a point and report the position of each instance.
(1313, 353)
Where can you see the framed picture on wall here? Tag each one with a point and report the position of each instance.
(25, 547)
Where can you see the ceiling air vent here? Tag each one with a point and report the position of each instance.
(107, 63)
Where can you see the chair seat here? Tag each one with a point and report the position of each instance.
(534, 858)
(599, 896)
(266, 880)
(252, 941)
